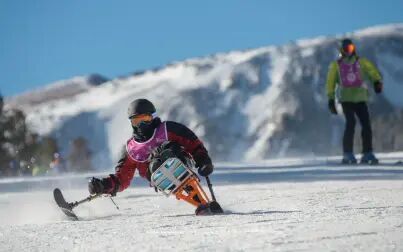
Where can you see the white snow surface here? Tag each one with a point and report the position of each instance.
(275, 205)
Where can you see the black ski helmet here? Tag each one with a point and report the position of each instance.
(344, 43)
(140, 106)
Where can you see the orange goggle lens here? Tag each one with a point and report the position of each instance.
(141, 118)
(350, 48)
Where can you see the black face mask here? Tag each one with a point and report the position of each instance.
(145, 130)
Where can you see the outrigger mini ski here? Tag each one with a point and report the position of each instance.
(174, 177)
(66, 207)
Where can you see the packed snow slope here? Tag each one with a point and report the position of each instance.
(245, 105)
(281, 205)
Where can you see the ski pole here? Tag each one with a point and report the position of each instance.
(210, 187)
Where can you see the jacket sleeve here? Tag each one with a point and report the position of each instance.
(332, 79)
(124, 172)
(187, 138)
(370, 70)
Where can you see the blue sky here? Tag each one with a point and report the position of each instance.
(42, 41)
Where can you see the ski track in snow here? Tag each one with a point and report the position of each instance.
(267, 208)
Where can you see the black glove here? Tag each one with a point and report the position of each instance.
(107, 185)
(332, 106)
(378, 87)
(96, 186)
(168, 149)
(205, 170)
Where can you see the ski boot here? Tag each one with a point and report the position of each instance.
(369, 158)
(348, 158)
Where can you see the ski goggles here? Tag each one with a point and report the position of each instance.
(349, 48)
(141, 118)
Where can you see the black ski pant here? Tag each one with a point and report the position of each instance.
(359, 109)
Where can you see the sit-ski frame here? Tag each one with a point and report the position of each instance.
(174, 177)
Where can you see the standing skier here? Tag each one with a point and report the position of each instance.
(353, 75)
(151, 137)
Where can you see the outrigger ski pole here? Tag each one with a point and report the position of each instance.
(89, 198)
(213, 205)
(210, 187)
(67, 207)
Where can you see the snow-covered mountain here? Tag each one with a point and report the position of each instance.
(59, 90)
(245, 105)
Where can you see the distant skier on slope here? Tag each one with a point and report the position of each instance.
(353, 75)
(151, 137)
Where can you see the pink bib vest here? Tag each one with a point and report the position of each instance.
(350, 74)
(140, 152)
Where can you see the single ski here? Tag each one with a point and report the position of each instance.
(211, 208)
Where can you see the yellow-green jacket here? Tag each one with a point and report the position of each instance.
(369, 74)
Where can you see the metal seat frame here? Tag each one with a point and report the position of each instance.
(165, 174)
